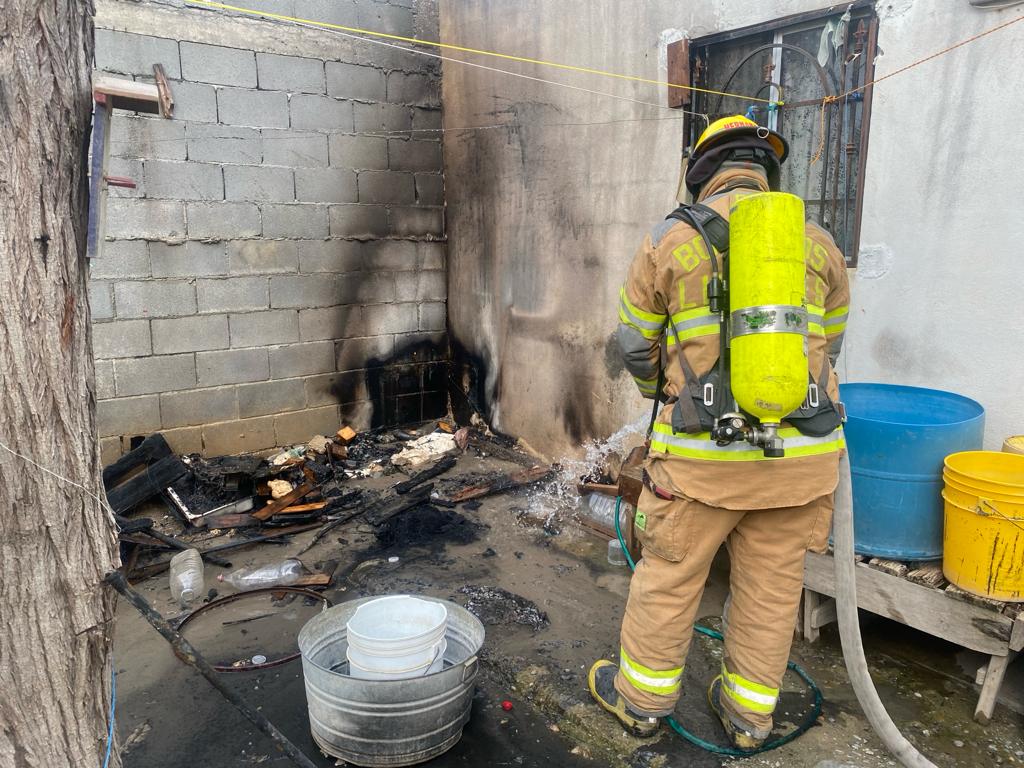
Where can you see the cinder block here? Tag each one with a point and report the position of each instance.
(359, 415)
(430, 189)
(295, 149)
(348, 387)
(145, 375)
(255, 257)
(105, 376)
(393, 19)
(260, 329)
(329, 256)
(223, 143)
(381, 117)
(129, 219)
(125, 338)
(431, 286)
(233, 366)
(351, 81)
(120, 259)
(330, 323)
(386, 187)
(332, 11)
(132, 54)
(431, 255)
(184, 181)
(110, 450)
(129, 168)
(390, 255)
(320, 113)
(222, 221)
(294, 220)
(422, 346)
(433, 316)
(152, 138)
(279, 7)
(416, 222)
(216, 64)
(290, 73)
(243, 436)
(391, 318)
(128, 416)
(101, 302)
(329, 185)
(190, 334)
(427, 120)
(194, 102)
(250, 182)
(301, 359)
(184, 439)
(199, 406)
(262, 109)
(363, 222)
(420, 90)
(189, 259)
(302, 291)
(232, 294)
(367, 352)
(300, 426)
(358, 152)
(412, 155)
(366, 288)
(271, 397)
(155, 298)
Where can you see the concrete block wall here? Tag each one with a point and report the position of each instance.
(280, 267)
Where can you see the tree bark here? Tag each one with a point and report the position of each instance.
(56, 540)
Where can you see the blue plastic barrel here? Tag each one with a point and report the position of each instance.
(898, 438)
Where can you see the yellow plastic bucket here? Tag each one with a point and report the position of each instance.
(987, 471)
(983, 537)
(1014, 444)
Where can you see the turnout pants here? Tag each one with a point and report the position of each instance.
(766, 550)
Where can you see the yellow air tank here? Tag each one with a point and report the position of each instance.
(768, 305)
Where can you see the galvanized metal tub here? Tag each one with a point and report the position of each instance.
(387, 722)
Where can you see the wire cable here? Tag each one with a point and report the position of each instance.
(809, 720)
(465, 49)
(113, 703)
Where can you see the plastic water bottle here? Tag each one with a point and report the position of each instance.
(186, 576)
(273, 575)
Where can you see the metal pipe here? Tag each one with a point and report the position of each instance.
(184, 650)
(849, 628)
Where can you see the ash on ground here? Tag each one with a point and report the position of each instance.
(494, 606)
(425, 525)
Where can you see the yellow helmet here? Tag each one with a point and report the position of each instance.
(735, 126)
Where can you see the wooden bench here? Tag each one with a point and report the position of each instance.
(921, 598)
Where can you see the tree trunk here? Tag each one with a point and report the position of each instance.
(56, 540)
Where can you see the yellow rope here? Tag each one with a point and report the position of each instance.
(464, 49)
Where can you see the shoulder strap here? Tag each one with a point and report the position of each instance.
(706, 221)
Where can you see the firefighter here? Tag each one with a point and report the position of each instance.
(698, 493)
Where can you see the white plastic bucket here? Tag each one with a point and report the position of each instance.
(396, 637)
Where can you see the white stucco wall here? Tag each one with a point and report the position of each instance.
(543, 219)
(938, 299)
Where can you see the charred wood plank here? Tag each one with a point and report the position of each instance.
(151, 449)
(284, 502)
(145, 485)
(427, 474)
(501, 484)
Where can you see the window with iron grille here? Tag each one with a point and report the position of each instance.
(792, 64)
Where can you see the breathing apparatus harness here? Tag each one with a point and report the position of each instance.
(707, 404)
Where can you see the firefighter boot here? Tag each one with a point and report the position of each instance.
(601, 682)
(745, 739)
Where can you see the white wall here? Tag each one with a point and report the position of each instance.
(544, 219)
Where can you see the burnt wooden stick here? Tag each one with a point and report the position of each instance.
(427, 474)
(183, 650)
(285, 501)
(182, 546)
(501, 484)
(156, 568)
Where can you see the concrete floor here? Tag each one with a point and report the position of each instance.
(169, 716)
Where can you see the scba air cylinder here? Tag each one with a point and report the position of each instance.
(768, 305)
